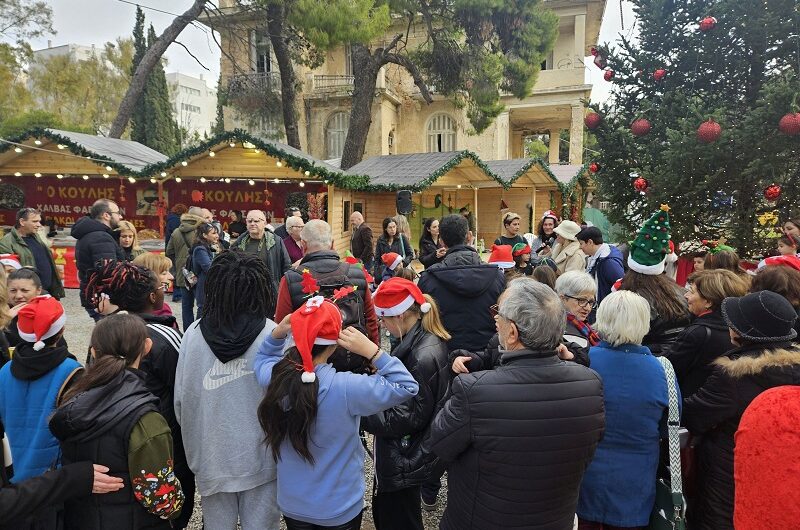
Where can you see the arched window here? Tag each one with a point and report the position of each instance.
(441, 133)
(335, 133)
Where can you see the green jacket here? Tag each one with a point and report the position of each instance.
(12, 243)
(180, 242)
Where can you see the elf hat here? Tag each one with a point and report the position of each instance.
(521, 248)
(10, 260)
(392, 260)
(395, 295)
(501, 256)
(651, 246)
(318, 321)
(552, 215)
(40, 319)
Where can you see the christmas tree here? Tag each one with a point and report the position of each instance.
(707, 85)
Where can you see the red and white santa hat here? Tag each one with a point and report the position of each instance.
(502, 256)
(396, 295)
(392, 260)
(318, 321)
(40, 319)
(552, 215)
(786, 261)
(10, 260)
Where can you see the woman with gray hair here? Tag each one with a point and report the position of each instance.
(619, 487)
(577, 292)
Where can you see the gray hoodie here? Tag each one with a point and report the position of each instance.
(216, 405)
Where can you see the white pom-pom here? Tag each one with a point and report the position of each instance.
(38, 345)
(308, 377)
(425, 307)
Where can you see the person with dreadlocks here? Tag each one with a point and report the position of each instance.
(123, 286)
(217, 395)
(311, 414)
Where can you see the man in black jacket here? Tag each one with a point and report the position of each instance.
(96, 243)
(464, 287)
(519, 438)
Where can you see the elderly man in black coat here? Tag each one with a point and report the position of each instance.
(518, 438)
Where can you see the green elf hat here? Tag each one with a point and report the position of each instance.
(651, 246)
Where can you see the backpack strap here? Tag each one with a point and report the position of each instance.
(673, 425)
(68, 381)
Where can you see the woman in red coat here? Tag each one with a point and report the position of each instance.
(766, 468)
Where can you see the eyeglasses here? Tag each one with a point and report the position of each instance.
(256, 220)
(299, 226)
(591, 303)
(117, 212)
(494, 310)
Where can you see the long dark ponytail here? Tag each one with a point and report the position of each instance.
(118, 340)
(289, 407)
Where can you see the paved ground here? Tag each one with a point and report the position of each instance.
(78, 331)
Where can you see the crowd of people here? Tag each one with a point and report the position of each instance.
(547, 383)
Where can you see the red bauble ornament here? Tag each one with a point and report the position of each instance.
(197, 195)
(659, 74)
(594, 167)
(641, 184)
(709, 131)
(593, 51)
(640, 127)
(593, 120)
(608, 75)
(772, 192)
(708, 23)
(790, 124)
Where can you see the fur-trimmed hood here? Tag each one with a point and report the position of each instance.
(755, 364)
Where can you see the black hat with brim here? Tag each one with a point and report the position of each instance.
(760, 317)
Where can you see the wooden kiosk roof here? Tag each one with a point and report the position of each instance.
(525, 173)
(419, 171)
(56, 152)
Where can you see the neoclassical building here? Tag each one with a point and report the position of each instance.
(401, 120)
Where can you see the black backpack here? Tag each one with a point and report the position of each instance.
(352, 308)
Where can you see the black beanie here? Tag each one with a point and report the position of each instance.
(760, 317)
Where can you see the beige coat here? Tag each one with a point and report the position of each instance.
(569, 257)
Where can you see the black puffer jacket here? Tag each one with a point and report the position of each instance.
(95, 243)
(519, 439)
(427, 251)
(695, 348)
(664, 332)
(465, 288)
(399, 431)
(715, 411)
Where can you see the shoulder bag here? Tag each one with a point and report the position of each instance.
(668, 512)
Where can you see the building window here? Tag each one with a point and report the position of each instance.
(262, 60)
(335, 133)
(190, 108)
(441, 134)
(191, 91)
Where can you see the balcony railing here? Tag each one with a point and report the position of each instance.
(332, 83)
(258, 81)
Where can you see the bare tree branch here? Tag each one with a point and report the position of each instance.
(191, 54)
(412, 69)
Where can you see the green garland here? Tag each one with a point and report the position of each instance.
(74, 148)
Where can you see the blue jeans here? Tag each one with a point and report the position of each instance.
(187, 307)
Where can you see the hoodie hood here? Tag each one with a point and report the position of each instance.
(92, 413)
(467, 281)
(229, 342)
(29, 364)
(165, 320)
(763, 361)
(87, 225)
(189, 222)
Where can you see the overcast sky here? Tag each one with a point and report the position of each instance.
(95, 22)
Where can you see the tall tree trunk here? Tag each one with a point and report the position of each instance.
(150, 59)
(276, 26)
(365, 72)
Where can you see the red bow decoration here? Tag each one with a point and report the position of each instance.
(309, 284)
(338, 294)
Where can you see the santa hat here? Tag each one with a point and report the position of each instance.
(786, 261)
(349, 258)
(10, 260)
(41, 318)
(651, 246)
(392, 260)
(552, 215)
(520, 249)
(318, 321)
(501, 256)
(396, 295)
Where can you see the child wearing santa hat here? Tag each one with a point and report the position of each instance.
(10, 262)
(392, 262)
(311, 413)
(401, 467)
(30, 384)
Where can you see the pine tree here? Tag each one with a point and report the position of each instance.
(743, 75)
(161, 129)
(138, 119)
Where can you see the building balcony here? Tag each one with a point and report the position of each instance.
(255, 81)
(326, 83)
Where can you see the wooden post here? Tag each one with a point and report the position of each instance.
(533, 210)
(161, 209)
(475, 213)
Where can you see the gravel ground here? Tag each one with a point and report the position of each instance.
(79, 329)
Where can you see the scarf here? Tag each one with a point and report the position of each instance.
(242, 243)
(585, 329)
(602, 252)
(229, 342)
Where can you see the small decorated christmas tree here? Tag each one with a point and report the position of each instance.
(651, 246)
